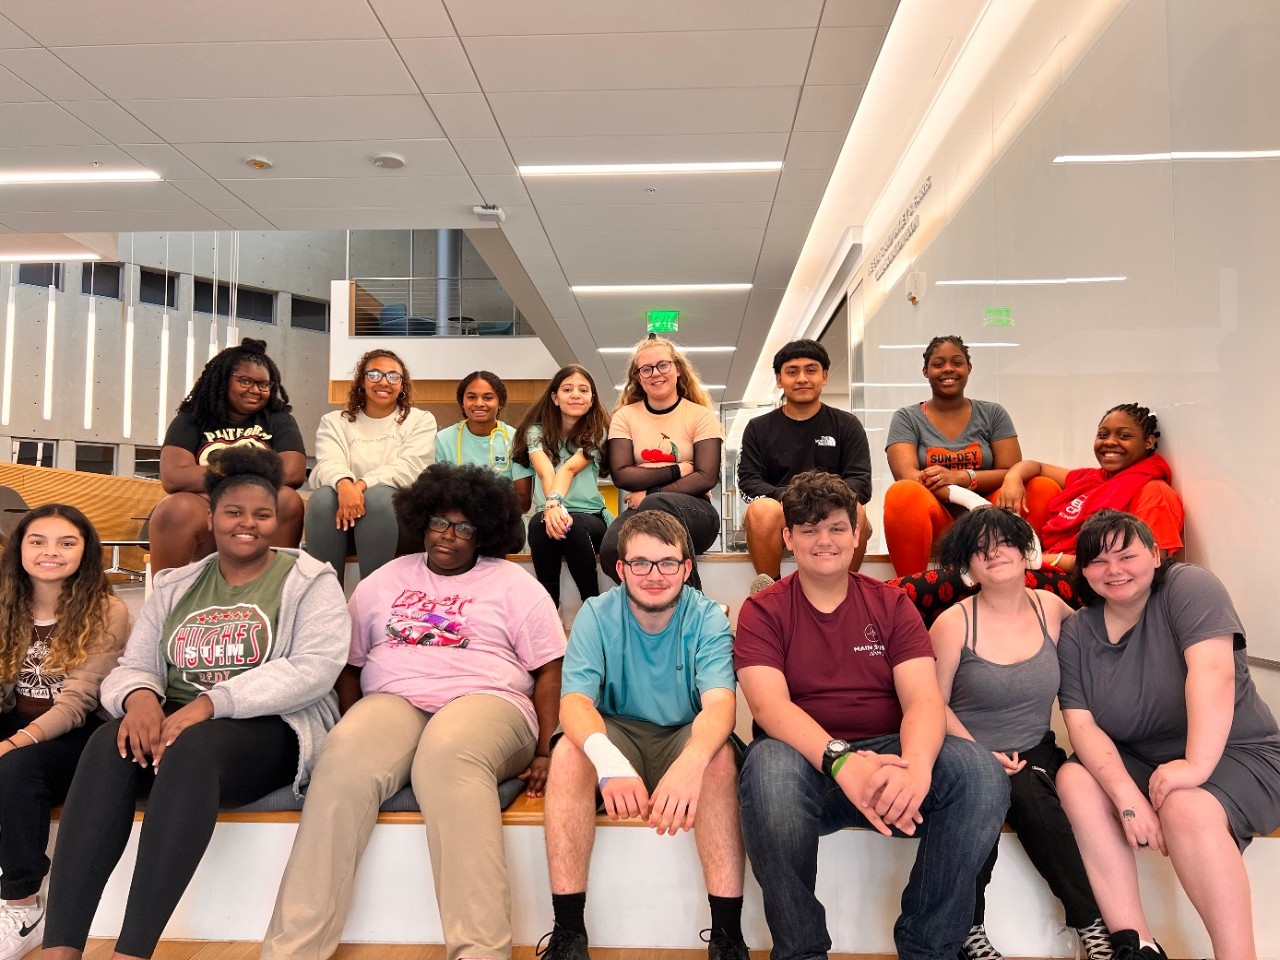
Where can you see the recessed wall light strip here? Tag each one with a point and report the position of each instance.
(683, 349)
(921, 346)
(661, 288)
(1031, 282)
(50, 331)
(635, 169)
(10, 315)
(90, 348)
(1166, 157)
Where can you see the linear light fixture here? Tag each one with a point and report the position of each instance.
(63, 257)
(127, 411)
(1166, 157)
(628, 169)
(90, 338)
(683, 349)
(661, 288)
(1036, 282)
(162, 412)
(10, 317)
(917, 383)
(707, 386)
(49, 340)
(921, 346)
(79, 176)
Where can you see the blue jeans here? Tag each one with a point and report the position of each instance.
(787, 805)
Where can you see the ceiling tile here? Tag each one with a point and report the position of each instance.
(485, 156)
(354, 192)
(658, 216)
(111, 120)
(13, 89)
(95, 196)
(828, 108)
(11, 36)
(645, 112)
(797, 213)
(438, 65)
(803, 184)
(658, 148)
(287, 118)
(479, 18)
(209, 194)
(49, 75)
(253, 69)
(83, 22)
(630, 61)
(858, 13)
(413, 18)
(113, 221)
(464, 115)
(814, 150)
(42, 125)
(242, 218)
(845, 55)
(66, 158)
(504, 191)
(666, 188)
(372, 218)
(336, 158)
(166, 161)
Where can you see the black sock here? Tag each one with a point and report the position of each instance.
(726, 916)
(570, 911)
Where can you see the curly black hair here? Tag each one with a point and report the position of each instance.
(487, 500)
(1110, 530)
(979, 531)
(814, 495)
(232, 467)
(207, 401)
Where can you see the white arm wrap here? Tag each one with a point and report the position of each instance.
(606, 758)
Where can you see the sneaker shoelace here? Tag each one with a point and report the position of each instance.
(977, 946)
(1095, 941)
(11, 919)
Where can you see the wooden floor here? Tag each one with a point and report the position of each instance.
(246, 950)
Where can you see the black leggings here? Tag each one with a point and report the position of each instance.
(578, 548)
(219, 762)
(697, 514)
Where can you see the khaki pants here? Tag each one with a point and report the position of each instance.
(455, 759)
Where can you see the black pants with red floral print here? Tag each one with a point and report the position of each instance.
(935, 590)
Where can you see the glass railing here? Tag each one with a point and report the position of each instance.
(435, 307)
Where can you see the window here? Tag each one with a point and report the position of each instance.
(40, 274)
(309, 314)
(34, 453)
(251, 304)
(95, 458)
(158, 289)
(146, 463)
(101, 280)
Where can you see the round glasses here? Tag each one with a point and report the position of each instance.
(377, 376)
(248, 383)
(649, 369)
(461, 529)
(667, 566)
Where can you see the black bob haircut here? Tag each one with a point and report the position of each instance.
(232, 467)
(980, 531)
(487, 500)
(1110, 530)
(801, 350)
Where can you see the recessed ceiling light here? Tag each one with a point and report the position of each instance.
(63, 257)
(661, 288)
(258, 163)
(80, 176)
(683, 349)
(1174, 155)
(921, 346)
(1048, 281)
(627, 169)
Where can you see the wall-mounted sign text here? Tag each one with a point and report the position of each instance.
(906, 226)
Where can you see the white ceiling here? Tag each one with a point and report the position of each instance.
(464, 90)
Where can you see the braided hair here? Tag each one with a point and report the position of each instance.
(953, 338)
(207, 402)
(1142, 416)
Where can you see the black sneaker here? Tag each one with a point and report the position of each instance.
(723, 947)
(976, 946)
(1125, 945)
(562, 944)
(1095, 941)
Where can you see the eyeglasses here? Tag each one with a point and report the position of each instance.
(649, 369)
(248, 383)
(461, 529)
(667, 566)
(376, 376)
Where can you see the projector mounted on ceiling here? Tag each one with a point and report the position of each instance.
(489, 213)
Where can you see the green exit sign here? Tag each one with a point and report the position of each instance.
(664, 321)
(998, 317)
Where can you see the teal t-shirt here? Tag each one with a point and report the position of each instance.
(659, 678)
(458, 445)
(584, 492)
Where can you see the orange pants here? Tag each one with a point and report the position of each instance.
(914, 520)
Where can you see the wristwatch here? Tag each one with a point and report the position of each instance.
(834, 751)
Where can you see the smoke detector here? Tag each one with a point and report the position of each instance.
(489, 213)
(389, 161)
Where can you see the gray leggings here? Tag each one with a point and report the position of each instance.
(374, 536)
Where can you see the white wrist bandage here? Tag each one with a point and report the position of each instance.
(606, 758)
(969, 499)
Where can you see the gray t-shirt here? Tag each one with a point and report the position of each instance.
(1135, 689)
(988, 422)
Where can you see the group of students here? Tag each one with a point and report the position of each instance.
(450, 671)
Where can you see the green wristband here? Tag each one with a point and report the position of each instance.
(838, 763)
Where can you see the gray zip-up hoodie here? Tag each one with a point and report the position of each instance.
(312, 641)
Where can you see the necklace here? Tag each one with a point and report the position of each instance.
(42, 638)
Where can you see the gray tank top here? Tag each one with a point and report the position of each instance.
(1006, 706)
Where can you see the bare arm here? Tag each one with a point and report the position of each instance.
(546, 703)
(947, 634)
(295, 468)
(675, 799)
(1099, 755)
(524, 493)
(904, 461)
(1013, 490)
(179, 471)
(347, 687)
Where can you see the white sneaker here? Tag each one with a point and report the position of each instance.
(21, 929)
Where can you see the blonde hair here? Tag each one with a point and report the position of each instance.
(688, 386)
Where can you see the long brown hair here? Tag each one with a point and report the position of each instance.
(586, 434)
(688, 386)
(356, 396)
(83, 604)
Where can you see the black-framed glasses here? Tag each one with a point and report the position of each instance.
(666, 566)
(248, 383)
(376, 376)
(461, 529)
(649, 369)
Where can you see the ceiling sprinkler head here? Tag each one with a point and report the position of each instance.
(258, 163)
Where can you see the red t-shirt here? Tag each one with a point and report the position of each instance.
(838, 665)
